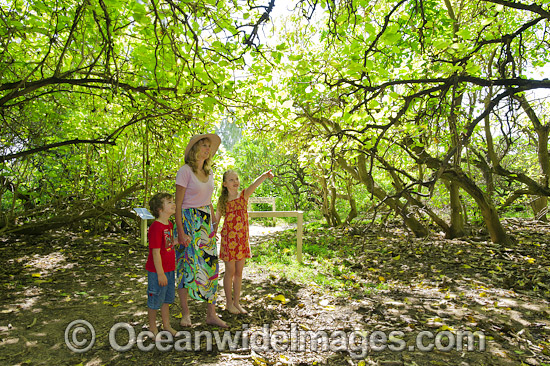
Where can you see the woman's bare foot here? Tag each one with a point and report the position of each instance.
(232, 309)
(216, 321)
(185, 320)
(240, 309)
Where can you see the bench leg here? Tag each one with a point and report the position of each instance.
(143, 232)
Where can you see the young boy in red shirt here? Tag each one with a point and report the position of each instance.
(161, 262)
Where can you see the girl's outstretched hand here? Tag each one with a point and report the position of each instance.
(248, 192)
(269, 174)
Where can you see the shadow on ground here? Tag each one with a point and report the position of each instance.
(435, 290)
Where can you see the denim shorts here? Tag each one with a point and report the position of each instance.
(158, 295)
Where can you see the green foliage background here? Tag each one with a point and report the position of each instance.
(364, 110)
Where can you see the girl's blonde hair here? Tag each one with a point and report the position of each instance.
(222, 201)
(193, 152)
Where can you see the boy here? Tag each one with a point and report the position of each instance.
(161, 262)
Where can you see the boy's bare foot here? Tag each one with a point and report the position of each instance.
(155, 333)
(240, 309)
(232, 309)
(185, 320)
(216, 321)
(171, 330)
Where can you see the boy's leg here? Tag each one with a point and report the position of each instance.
(165, 314)
(185, 316)
(168, 299)
(152, 315)
(237, 283)
(227, 286)
(153, 300)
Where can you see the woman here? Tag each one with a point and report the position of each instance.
(196, 256)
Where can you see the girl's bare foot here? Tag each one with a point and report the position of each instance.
(240, 309)
(232, 309)
(185, 320)
(216, 321)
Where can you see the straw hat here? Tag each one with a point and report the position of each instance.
(215, 142)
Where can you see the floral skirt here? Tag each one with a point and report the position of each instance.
(197, 264)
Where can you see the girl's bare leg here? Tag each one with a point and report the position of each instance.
(227, 287)
(237, 283)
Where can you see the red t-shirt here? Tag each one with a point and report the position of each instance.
(160, 236)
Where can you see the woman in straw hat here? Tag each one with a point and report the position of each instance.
(196, 256)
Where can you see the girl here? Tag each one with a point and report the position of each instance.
(234, 246)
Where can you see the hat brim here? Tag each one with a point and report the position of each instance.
(215, 142)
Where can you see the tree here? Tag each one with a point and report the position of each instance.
(100, 84)
(396, 84)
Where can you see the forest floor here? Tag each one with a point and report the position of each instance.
(375, 297)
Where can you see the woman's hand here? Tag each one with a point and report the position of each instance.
(214, 230)
(183, 239)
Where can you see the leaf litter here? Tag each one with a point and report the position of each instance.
(383, 281)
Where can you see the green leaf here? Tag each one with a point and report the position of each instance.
(486, 21)
(295, 57)
(465, 33)
(442, 44)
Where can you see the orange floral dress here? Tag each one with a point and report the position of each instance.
(234, 245)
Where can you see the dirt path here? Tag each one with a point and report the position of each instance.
(50, 281)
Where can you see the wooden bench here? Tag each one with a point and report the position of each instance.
(145, 215)
(268, 200)
(298, 214)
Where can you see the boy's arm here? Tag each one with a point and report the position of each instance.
(163, 281)
(248, 192)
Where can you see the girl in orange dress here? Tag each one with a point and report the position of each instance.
(234, 244)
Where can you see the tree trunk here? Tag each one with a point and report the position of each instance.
(351, 199)
(364, 177)
(324, 200)
(539, 205)
(106, 209)
(488, 210)
(457, 220)
(456, 229)
(492, 156)
(336, 220)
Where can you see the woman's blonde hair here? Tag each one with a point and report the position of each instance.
(222, 201)
(193, 152)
